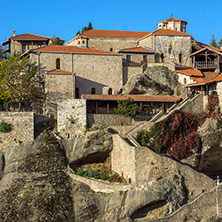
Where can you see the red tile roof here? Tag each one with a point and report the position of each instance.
(29, 36)
(169, 32)
(137, 49)
(72, 49)
(189, 71)
(115, 34)
(174, 19)
(209, 77)
(59, 71)
(134, 97)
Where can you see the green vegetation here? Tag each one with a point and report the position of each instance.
(5, 127)
(174, 136)
(85, 28)
(103, 174)
(213, 42)
(128, 108)
(18, 82)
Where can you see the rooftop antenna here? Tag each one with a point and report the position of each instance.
(171, 14)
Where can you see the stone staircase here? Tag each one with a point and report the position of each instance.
(130, 135)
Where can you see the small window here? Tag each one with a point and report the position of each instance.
(180, 58)
(83, 42)
(111, 49)
(93, 91)
(144, 58)
(185, 81)
(77, 93)
(78, 42)
(23, 47)
(110, 91)
(57, 63)
(128, 58)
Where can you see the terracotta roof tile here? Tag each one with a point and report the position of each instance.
(209, 77)
(136, 49)
(115, 34)
(72, 49)
(29, 36)
(59, 71)
(189, 71)
(168, 32)
(134, 97)
(174, 19)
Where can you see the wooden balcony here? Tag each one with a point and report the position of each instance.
(206, 65)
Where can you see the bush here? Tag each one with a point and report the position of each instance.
(175, 135)
(5, 127)
(103, 174)
(128, 108)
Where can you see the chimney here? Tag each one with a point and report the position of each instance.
(13, 32)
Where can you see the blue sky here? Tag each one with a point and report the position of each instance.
(64, 18)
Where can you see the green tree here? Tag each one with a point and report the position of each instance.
(220, 42)
(85, 28)
(128, 108)
(18, 82)
(213, 41)
(55, 41)
(2, 54)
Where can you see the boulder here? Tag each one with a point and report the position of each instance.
(142, 84)
(94, 146)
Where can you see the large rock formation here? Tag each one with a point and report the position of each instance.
(157, 80)
(94, 146)
(211, 155)
(34, 186)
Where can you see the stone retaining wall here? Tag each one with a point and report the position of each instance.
(22, 128)
(71, 114)
(108, 119)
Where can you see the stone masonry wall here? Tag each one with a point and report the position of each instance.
(179, 45)
(57, 87)
(194, 106)
(123, 158)
(108, 119)
(22, 128)
(97, 71)
(106, 44)
(184, 80)
(219, 93)
(71, 116)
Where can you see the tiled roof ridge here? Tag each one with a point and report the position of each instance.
(54, 48)
(30, 34)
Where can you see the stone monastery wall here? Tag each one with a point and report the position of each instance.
(107, 44)
(71, 116)
(91, 70)
(22, 124)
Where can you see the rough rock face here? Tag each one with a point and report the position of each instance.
(94, 146)
(157, 80)
(211, 134)
(142, 84)
(163, 76)
(34, 186)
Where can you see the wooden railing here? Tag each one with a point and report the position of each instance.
(206, 65)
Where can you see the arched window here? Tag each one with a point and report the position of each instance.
(93, 91)
(77, 93)
(111, 49)
(110, 91)
(180, 58)
(57, 63)
(162, 57)
(120, 91)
